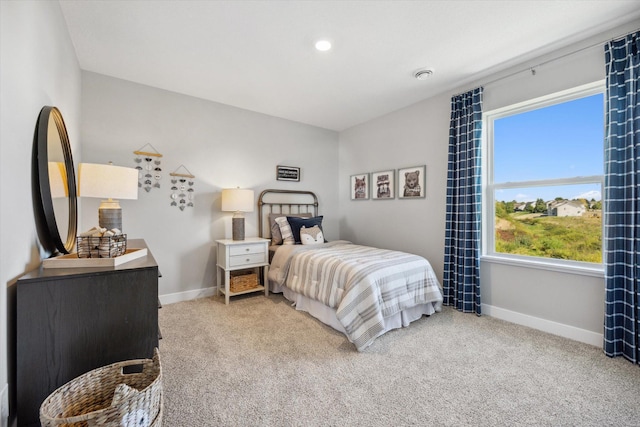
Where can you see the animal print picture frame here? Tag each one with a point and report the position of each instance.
(383, 185)
(360, 186)
(411, 182)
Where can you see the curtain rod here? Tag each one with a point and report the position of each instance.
(532, 69)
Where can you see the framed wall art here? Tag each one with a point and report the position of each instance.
(411, 182)
(383, 185)
(287, 173)
(360, 186)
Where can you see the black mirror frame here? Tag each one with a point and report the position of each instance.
(46, 222)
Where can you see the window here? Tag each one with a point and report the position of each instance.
(543, 180)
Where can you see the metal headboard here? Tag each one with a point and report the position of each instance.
(291, 202)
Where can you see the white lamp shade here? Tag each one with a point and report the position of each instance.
(107, 181)
(237, 200)
(58, 180)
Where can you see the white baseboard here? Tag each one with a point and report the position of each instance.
(4, 406)
(544, 325)
(555, 328)
(187, 295)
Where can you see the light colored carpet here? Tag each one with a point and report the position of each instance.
(259, 362)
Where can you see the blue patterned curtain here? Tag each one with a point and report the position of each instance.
(461, 281)
(622, 198)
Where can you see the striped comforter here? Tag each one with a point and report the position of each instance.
(363, 284)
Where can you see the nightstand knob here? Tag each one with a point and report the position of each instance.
(247, 259)
(247, 249)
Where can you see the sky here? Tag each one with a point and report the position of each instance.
(558, 141)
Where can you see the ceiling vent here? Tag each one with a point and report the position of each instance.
(423, 74)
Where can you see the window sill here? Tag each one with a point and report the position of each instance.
(584, 269)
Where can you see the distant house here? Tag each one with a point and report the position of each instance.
(566, 208)
(552, 205)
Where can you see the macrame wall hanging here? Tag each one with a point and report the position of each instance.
(148, 165)
(182, 190)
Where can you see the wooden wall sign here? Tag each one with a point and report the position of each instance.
(288, 173)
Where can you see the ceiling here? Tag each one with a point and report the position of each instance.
(260, 55)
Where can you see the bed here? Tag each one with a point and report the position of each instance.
(360, 291)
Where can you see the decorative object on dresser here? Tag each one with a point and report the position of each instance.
(73, 260)
(53, 183)
(237, 200)
(101, 243)
(108, 181)
(234, 256)
(70, 321)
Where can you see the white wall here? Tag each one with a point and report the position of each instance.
(412, 136)
(39, 68)
(222, 146)
(566, 304)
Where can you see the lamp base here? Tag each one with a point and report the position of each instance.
(237, 232)
(110, 215)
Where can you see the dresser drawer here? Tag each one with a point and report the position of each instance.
(247, 259)
(246, 249)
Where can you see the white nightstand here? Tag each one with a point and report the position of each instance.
(252, 252)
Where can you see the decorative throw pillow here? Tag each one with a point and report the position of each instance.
(311, 236)
(276, 236)
(285, 230)
(297, 223)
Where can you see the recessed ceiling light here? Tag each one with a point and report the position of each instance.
(423, 74)
(323, 45)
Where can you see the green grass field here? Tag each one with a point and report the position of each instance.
(576, 238)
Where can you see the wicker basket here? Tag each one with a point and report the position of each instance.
(108, 397)
(243, 281)
(101, 247)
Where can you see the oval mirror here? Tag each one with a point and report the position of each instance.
(54, 183)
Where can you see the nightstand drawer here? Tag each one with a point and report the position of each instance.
(245, 249)
(247, 259)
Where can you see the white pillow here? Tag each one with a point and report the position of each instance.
(311, 236)
(285, 230)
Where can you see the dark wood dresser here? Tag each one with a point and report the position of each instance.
(72, 320)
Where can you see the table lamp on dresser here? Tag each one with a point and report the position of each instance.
(108, 182)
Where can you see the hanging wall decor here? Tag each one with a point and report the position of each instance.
(182, 188)
(148, 165)
(287, 173)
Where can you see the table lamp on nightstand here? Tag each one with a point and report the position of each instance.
(238, 200)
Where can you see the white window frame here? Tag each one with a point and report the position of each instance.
(489, 187)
